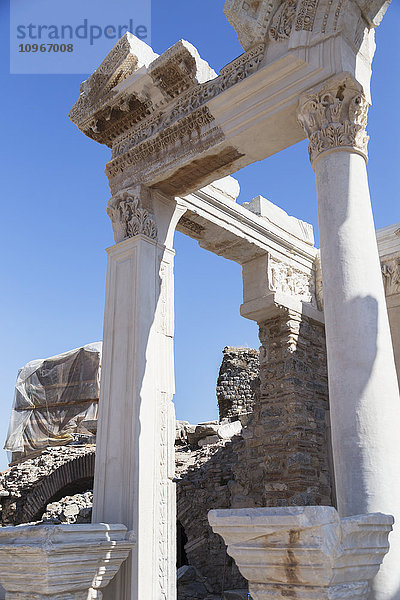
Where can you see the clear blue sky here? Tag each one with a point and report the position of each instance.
(55, 228)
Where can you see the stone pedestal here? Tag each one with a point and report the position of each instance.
(136, 432)
(307, 552)
(61, 562)
(363, 388)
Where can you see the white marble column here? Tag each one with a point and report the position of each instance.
(364, 395)
(135, 439)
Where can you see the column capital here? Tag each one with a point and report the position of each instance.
(131, 213)
(334, 117)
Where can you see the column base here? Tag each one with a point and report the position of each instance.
(345, 591)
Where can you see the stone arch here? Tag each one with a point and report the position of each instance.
(70, 478)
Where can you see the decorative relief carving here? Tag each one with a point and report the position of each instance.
(335, 116)
(167, 135)
(391, 276)
(98, 88)
(186, 223)
(239, 69)
(163, 514)
(176, 73)
(306, 15)
(337, 14)
(288, 280)
(250, 19)
(283, 20)
(319, 290)
(326, 16)
(145, 160)
(129, 217)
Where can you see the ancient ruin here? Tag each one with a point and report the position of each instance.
(232, 463)
(309, 486)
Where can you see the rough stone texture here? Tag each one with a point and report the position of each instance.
(205, 477)
(236, 379)
(70, 509)
(27, 488)
(283, 458)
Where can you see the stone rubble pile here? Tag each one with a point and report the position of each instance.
(204, 434)
(192, 586)
(19, 481)
(70, 509)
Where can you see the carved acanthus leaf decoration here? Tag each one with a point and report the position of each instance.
(391, 276)
(335, 116)
(129, 217)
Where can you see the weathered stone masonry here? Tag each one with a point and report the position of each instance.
(235, 393)
(283, 458)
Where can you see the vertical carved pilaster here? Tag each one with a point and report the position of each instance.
(335, 117)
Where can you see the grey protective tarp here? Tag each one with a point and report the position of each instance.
(52, 398)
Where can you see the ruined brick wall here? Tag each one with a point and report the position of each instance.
(205, 476)
(27, 488)
(235, 385)
(284, 457)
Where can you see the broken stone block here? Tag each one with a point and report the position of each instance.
(228, 430)
(201, 431)
(209, 439)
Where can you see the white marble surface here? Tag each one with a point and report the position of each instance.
(61, 561)
(304, 552)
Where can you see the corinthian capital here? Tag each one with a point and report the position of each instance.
(335, 117)
(131, 214)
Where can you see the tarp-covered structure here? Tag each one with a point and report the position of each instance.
(53, 398)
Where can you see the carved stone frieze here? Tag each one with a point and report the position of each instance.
(289, 280)
(391, 276)
(167, 135)
(306, 15)
(251, 19)
(283, 20)
(192, 226)
(168, 149)
(130, 216)
(335, 117)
